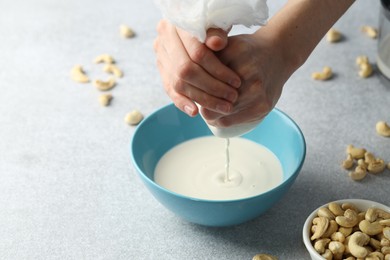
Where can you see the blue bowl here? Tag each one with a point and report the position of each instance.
(168, 127)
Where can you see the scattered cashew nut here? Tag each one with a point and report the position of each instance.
(126, 31)
(365, 67)
(377, 166)
(370, 31)
(358, 174)
(383, 129)
(333, 35)
(356, 153)
(78, 74)
(324, 75)
(348, 163)
(104, 58)
(134, 117)
(113, 69)
(105, 99)
(104, 85)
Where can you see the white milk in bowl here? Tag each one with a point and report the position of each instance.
(212, 169)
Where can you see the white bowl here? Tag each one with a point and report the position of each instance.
(359, 203)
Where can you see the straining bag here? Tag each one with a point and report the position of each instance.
(196, 16)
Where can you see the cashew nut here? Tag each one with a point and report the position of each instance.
(337, 249)
(113, 69)
(336, 209)
(384, 222)
(358, 174)
(104, 85)
(370, 31)
(345, 231)
(350, 206)
(385, 250)
(374, 243)
(362, 163)
(338, 236)
(327, 255)
(375, 256)
(134, 117)
(320, 245)
(369, 228)
(78, 74)
(349, 219)
(264, 257)
(386, 232)
(324, 75)
(332, 228)
(356, 244)
(105, 99)
(387, 257)
(126, 31)
(325, 212)
(350, 258)
(348, 163)
(322, 224)
(377, 166)
(373, 213)
(383, 129)
(369, 157)
(364, 66)
(385, 242)
(333, 35)
(356, 153)
(104, 58)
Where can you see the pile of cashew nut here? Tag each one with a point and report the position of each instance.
(363, 161)
(342, 231)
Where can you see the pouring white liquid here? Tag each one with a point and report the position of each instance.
(201, 168)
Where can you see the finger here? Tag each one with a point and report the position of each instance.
(181, 102)
(217, 39)
(243, 117)
(206, 59)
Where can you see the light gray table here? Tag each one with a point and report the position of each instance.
(68, 189)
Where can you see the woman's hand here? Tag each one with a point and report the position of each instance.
(259, 62)
(191, 72)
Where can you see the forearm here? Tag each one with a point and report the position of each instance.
(300, 25)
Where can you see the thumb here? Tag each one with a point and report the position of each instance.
(216, 39)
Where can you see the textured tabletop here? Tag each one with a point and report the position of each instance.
(68, 189)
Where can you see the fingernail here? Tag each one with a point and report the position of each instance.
(189, 110)
(235, 83)
(232, 97)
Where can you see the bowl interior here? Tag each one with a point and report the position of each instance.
(169, 126)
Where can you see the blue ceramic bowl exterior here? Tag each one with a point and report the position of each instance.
(168, 127)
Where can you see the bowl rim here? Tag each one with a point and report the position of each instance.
(305, 231)
(181, 196)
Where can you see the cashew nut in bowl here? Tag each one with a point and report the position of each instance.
(321, 224)
(374, 213)
(370, 228)
(383, 129)
(356, 244)
(320, 245)
(325, 212)
(365, 240)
